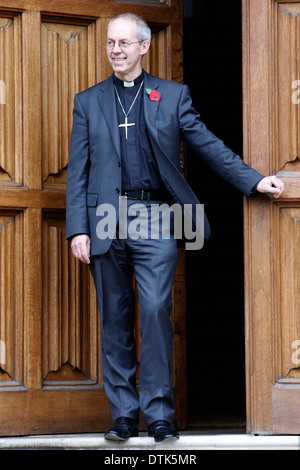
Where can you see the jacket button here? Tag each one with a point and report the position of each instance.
(117, 190)
(119, 164)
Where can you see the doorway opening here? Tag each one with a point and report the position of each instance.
(215, 278)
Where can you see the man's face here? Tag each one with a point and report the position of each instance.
(126, 63)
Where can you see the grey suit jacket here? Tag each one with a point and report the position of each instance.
(94, 169)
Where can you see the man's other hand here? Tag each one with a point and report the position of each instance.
(81, 248)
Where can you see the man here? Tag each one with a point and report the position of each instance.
(126, 144)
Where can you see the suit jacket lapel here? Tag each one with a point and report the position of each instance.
(106, 99)
(150, 107)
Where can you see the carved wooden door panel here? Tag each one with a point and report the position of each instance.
(271, 39)
(50, 361)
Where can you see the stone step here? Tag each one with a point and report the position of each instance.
(187, 442)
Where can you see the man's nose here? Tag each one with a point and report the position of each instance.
(117, 46)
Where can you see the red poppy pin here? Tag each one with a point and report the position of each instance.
(153, 94)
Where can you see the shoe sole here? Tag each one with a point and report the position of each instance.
(114, 437)
(168, 438)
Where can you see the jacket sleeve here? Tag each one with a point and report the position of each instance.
(212, 150)
(78, 174)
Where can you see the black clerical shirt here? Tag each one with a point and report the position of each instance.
(139, 167)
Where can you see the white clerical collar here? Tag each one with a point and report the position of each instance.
(137, 81)
(128, 84)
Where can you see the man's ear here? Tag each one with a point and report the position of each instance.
(145, 47)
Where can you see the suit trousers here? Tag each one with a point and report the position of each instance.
(153, 263)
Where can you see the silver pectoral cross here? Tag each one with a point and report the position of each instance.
(126, 125)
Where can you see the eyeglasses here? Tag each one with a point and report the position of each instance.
(122, 44)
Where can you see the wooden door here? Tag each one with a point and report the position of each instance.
(50, 363)
(271, 42)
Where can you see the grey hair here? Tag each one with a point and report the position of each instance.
(143, 31)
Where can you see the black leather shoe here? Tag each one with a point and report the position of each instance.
(122, 429)
(162, 430)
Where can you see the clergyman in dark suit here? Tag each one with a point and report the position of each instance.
(124, 163)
